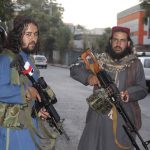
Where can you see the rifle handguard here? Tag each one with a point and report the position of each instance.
(47, 90)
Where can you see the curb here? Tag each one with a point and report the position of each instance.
(60, 65)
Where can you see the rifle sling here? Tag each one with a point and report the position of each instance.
(114, 122)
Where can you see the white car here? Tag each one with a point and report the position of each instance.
(40, 61)
(146, 65)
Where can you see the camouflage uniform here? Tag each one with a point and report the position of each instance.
(18, 130)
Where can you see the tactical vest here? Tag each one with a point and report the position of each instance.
(9, 113)
(18, 116)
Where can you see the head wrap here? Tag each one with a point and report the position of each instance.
(128, 49)
(122, 29)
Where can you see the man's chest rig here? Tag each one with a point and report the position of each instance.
(10, 113)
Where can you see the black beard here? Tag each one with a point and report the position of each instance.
(115, 55)
(27, 51)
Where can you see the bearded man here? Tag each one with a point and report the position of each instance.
(18, 130)
(101, 131)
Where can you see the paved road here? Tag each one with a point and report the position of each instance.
(73, 107)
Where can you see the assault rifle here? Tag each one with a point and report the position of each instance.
(107, 83)
(47, 101)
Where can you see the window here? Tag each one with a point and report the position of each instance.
(147, 63)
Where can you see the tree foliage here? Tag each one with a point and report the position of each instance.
(64, 34)
(54, 35)
(102, 41)
(6, 9)
(6, 12)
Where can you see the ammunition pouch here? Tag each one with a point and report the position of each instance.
(10, 115)
(99, 101)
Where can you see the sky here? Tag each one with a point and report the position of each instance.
(94, 13)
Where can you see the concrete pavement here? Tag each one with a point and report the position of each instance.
(73, 107)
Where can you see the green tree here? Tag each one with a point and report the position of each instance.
(54, 34)
(49, 45)
(102, 41)
(48, 14)
(6, 12)
(63, 42)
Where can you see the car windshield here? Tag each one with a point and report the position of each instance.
(40, 58)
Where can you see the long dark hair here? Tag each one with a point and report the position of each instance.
(3, 36)
(14, 38)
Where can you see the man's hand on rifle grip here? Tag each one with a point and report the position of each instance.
(93, 80)
(43, 114)
(32, 94)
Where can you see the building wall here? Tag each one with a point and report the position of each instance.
(133, 19)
